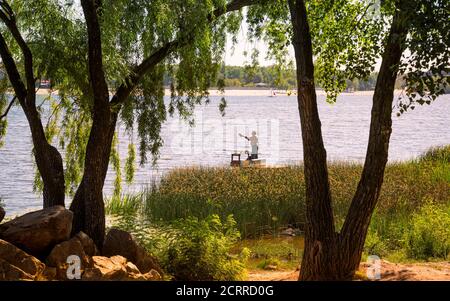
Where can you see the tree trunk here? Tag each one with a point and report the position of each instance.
(328, 255)
(320, 238)
(88, 205)
(48, 160)
(354, 230)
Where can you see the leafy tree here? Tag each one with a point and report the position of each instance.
(107, 59)
(344, 38)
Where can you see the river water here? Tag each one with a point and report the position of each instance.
(213, 138)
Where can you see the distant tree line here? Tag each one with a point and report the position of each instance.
(239, 76)
(273, 77)
(245, 76)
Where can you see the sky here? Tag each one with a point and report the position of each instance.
(236, 57)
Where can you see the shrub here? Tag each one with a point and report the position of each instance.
(200, 250)
(429, 233)
(375, 245)
(190, 249)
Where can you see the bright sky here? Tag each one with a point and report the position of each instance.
(237, 58)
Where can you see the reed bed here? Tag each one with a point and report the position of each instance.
(265, 199)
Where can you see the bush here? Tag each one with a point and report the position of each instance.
(429, 233)
(190, 249)
(200, 250)
(375, 245)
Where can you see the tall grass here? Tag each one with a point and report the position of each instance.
(263, 199)
(259, 199)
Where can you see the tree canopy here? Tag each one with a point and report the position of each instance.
(131, 33)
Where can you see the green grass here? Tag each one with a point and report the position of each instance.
(266, 198)
(282, 252)
(262, 200)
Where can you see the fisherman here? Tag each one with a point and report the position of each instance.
(254, 143)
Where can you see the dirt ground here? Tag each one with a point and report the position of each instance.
(389, 272)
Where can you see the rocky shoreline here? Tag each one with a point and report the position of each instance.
(39, 246)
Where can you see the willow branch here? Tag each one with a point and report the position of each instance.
(156, 57)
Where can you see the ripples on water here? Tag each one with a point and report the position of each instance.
(345, 127)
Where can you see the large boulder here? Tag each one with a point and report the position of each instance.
(116, 268)
(15, 264)
(61, 252)
(122, 243)
(80, 245)
(37, 232)
(2, 213)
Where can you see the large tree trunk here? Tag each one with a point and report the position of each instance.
(320, 237)
(328, 255)
(354, 230)
(88, 205)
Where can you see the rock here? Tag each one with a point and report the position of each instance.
(152, 275)
(288, 232)
(271, 267)
(61, 252)
(131, 268)
(37, 232)
(49, 274)
(116, 268)
(2, 213)
(122, 243)
(88, 244)
(15, 264)
(9, 272)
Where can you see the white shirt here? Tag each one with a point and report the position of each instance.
(253, 140)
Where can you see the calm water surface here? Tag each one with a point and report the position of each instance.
(210, 142)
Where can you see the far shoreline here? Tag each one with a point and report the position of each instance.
(235, 91)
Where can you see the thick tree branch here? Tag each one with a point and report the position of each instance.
(232, 6)
(96, 71)
(8, 108)
(11, 70)
(156, 57)
(4, 5)
(8, 18)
